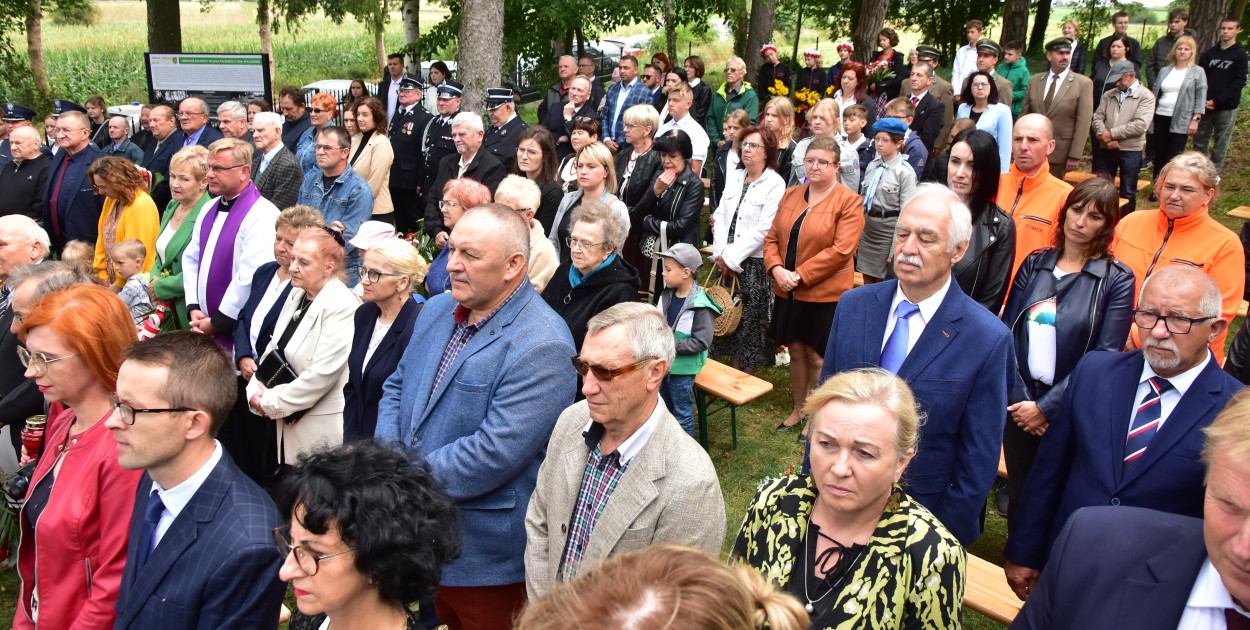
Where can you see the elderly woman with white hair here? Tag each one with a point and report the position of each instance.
(596, 277)
(523, 195)
(847, 540)
(391, 270)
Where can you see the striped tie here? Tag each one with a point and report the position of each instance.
(1146, 422)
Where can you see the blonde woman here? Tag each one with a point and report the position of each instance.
(596, 181)
(778, 117)
(1180, 101)
(189, 190)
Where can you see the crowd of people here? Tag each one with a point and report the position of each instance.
(253, 354)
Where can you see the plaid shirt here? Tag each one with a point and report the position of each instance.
(460, 338)
(598, 481)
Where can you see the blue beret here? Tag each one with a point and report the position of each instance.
(890, 125)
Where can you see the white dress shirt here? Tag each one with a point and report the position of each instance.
(1050, 78)
(177, 497)
(1205, 608)
(928, 307)
(699, 141)
(1167, 401)
(392, 97)
(634, 443)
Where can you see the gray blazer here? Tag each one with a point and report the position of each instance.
(1192, 99)
(668, 494)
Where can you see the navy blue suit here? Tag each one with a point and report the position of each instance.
(960, 373)
(78, 207)
(158, 164)
(243, 325)
(363, 390)
(1079, 462)
(1117, 568)
(214, 568)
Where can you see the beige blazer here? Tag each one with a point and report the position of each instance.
(1127, 121)
(318, 351)
(1071, 112)
(668, 494)
(374, 165)
(543, 260)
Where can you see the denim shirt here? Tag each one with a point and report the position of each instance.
(349, 201)
(306, 153)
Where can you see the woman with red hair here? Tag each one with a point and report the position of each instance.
(322, 109)
(853, 90)
(76, 519)
(459, 196)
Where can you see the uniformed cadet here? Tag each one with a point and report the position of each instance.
(437, 142)
(505, 126)
(407, 129)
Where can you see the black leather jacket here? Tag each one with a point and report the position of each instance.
(1094, 312)
(984, 273)
(646, 169)
(719, 165)
(679, 205)
(1238, 362)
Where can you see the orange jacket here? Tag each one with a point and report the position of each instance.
(1147, 240)
(1034, 204)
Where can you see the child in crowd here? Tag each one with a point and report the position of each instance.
(852, 138)
(902, 109)
(887, 186)
(128, 257)
(78, 252)
(692, 316)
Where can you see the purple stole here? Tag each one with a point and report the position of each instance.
(221, 270)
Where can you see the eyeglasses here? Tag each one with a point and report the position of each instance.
(1175, 324)
(447, 204)
(980, 85)
(374, 276)
(128, 412)
(327, 148)
(308, 563)
(529, 152)
(751, 145)
(189, 114)
(217, 169)
(810, 162)
(579, 244)
(629, 126)
(39, 360)
(606, 374)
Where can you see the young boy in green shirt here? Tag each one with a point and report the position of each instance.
(692, 316)
(1014, 68)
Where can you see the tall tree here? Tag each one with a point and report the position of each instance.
(670, 31)
(481, 57)
(34, 48)
(411, 12)
(760, 32)
(1204, 18)
(1015, 21)
(866, 24)
(1040, 20)
(941, 22)
(164, 26)
(264, 24)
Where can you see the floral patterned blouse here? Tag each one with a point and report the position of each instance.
(911, 575)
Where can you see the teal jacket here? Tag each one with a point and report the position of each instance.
(1018, 74)
(722, 104)
(168, 273)
(696, 323)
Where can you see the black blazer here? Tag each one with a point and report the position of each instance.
(559, 127)
(928, 121)
(553, 194)
(158, 163)
(281, 180)
(484, 169)
(679, 205)
(408, 169)
(363, 390)
(242, 338)
(19, 398)
(1095, 313)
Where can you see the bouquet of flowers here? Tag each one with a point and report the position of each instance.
(422, 241)
(778, 88)
(830, 90)
(879, 70)
(806, 99)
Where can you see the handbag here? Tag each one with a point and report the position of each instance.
(652, 246)
(275, 370)
(728, 299)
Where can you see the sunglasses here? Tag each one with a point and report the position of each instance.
(606, 374)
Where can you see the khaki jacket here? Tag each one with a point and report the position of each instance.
(1071, 111)
(374, 166)
(1127, 121)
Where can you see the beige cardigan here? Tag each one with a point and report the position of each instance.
(374, 165)
(543, 260)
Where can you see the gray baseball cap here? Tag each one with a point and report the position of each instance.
(685, 255)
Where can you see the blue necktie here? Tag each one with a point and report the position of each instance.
(895, 350)
(1146, 422)
(156, 508)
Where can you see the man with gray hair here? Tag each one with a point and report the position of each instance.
(562, 115)
(1130, 428)
(232, 121)
(276, 171)
(22, 242)
(954, 354)
(24, 179)
(476, 395)
(71, 207)
(621, 473)
(193, 120)
(469, 162)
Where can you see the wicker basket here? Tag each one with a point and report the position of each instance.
(728, 299)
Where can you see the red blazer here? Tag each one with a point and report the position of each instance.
(80, 545)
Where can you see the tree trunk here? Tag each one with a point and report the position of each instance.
(480, 56)
(1204, 18)
(759, 32)
(670, 31)
(164, 26)
(867, 22)
(379, 32)
(264, 25)
(798, 32)
(34, 48)
(1015, 21)
(1040, 20)
(411, 11)
(741, 22)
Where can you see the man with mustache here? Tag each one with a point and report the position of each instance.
(953, 353)
(1130, 429)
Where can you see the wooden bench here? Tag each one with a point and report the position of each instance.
(987, 591)
(1076, 178)
(735, 388)
(1241, 212)
(1002, 463)
(1241, 310)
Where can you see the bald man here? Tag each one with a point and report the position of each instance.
(23, 180)
(1028, 191)
(558, 92)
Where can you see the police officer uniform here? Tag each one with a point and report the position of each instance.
(437, 141)
(501, 141)
(406, 131)
(12, 113)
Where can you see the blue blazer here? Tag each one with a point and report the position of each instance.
(79, 215)
(484, 429)
(214, 568)
(242, 337)
(158, 164)
(960, 371)
(1117, 568)
(997, 121)
(363, 390)
(1079, 461)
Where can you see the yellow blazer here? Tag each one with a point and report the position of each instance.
(138, 220)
